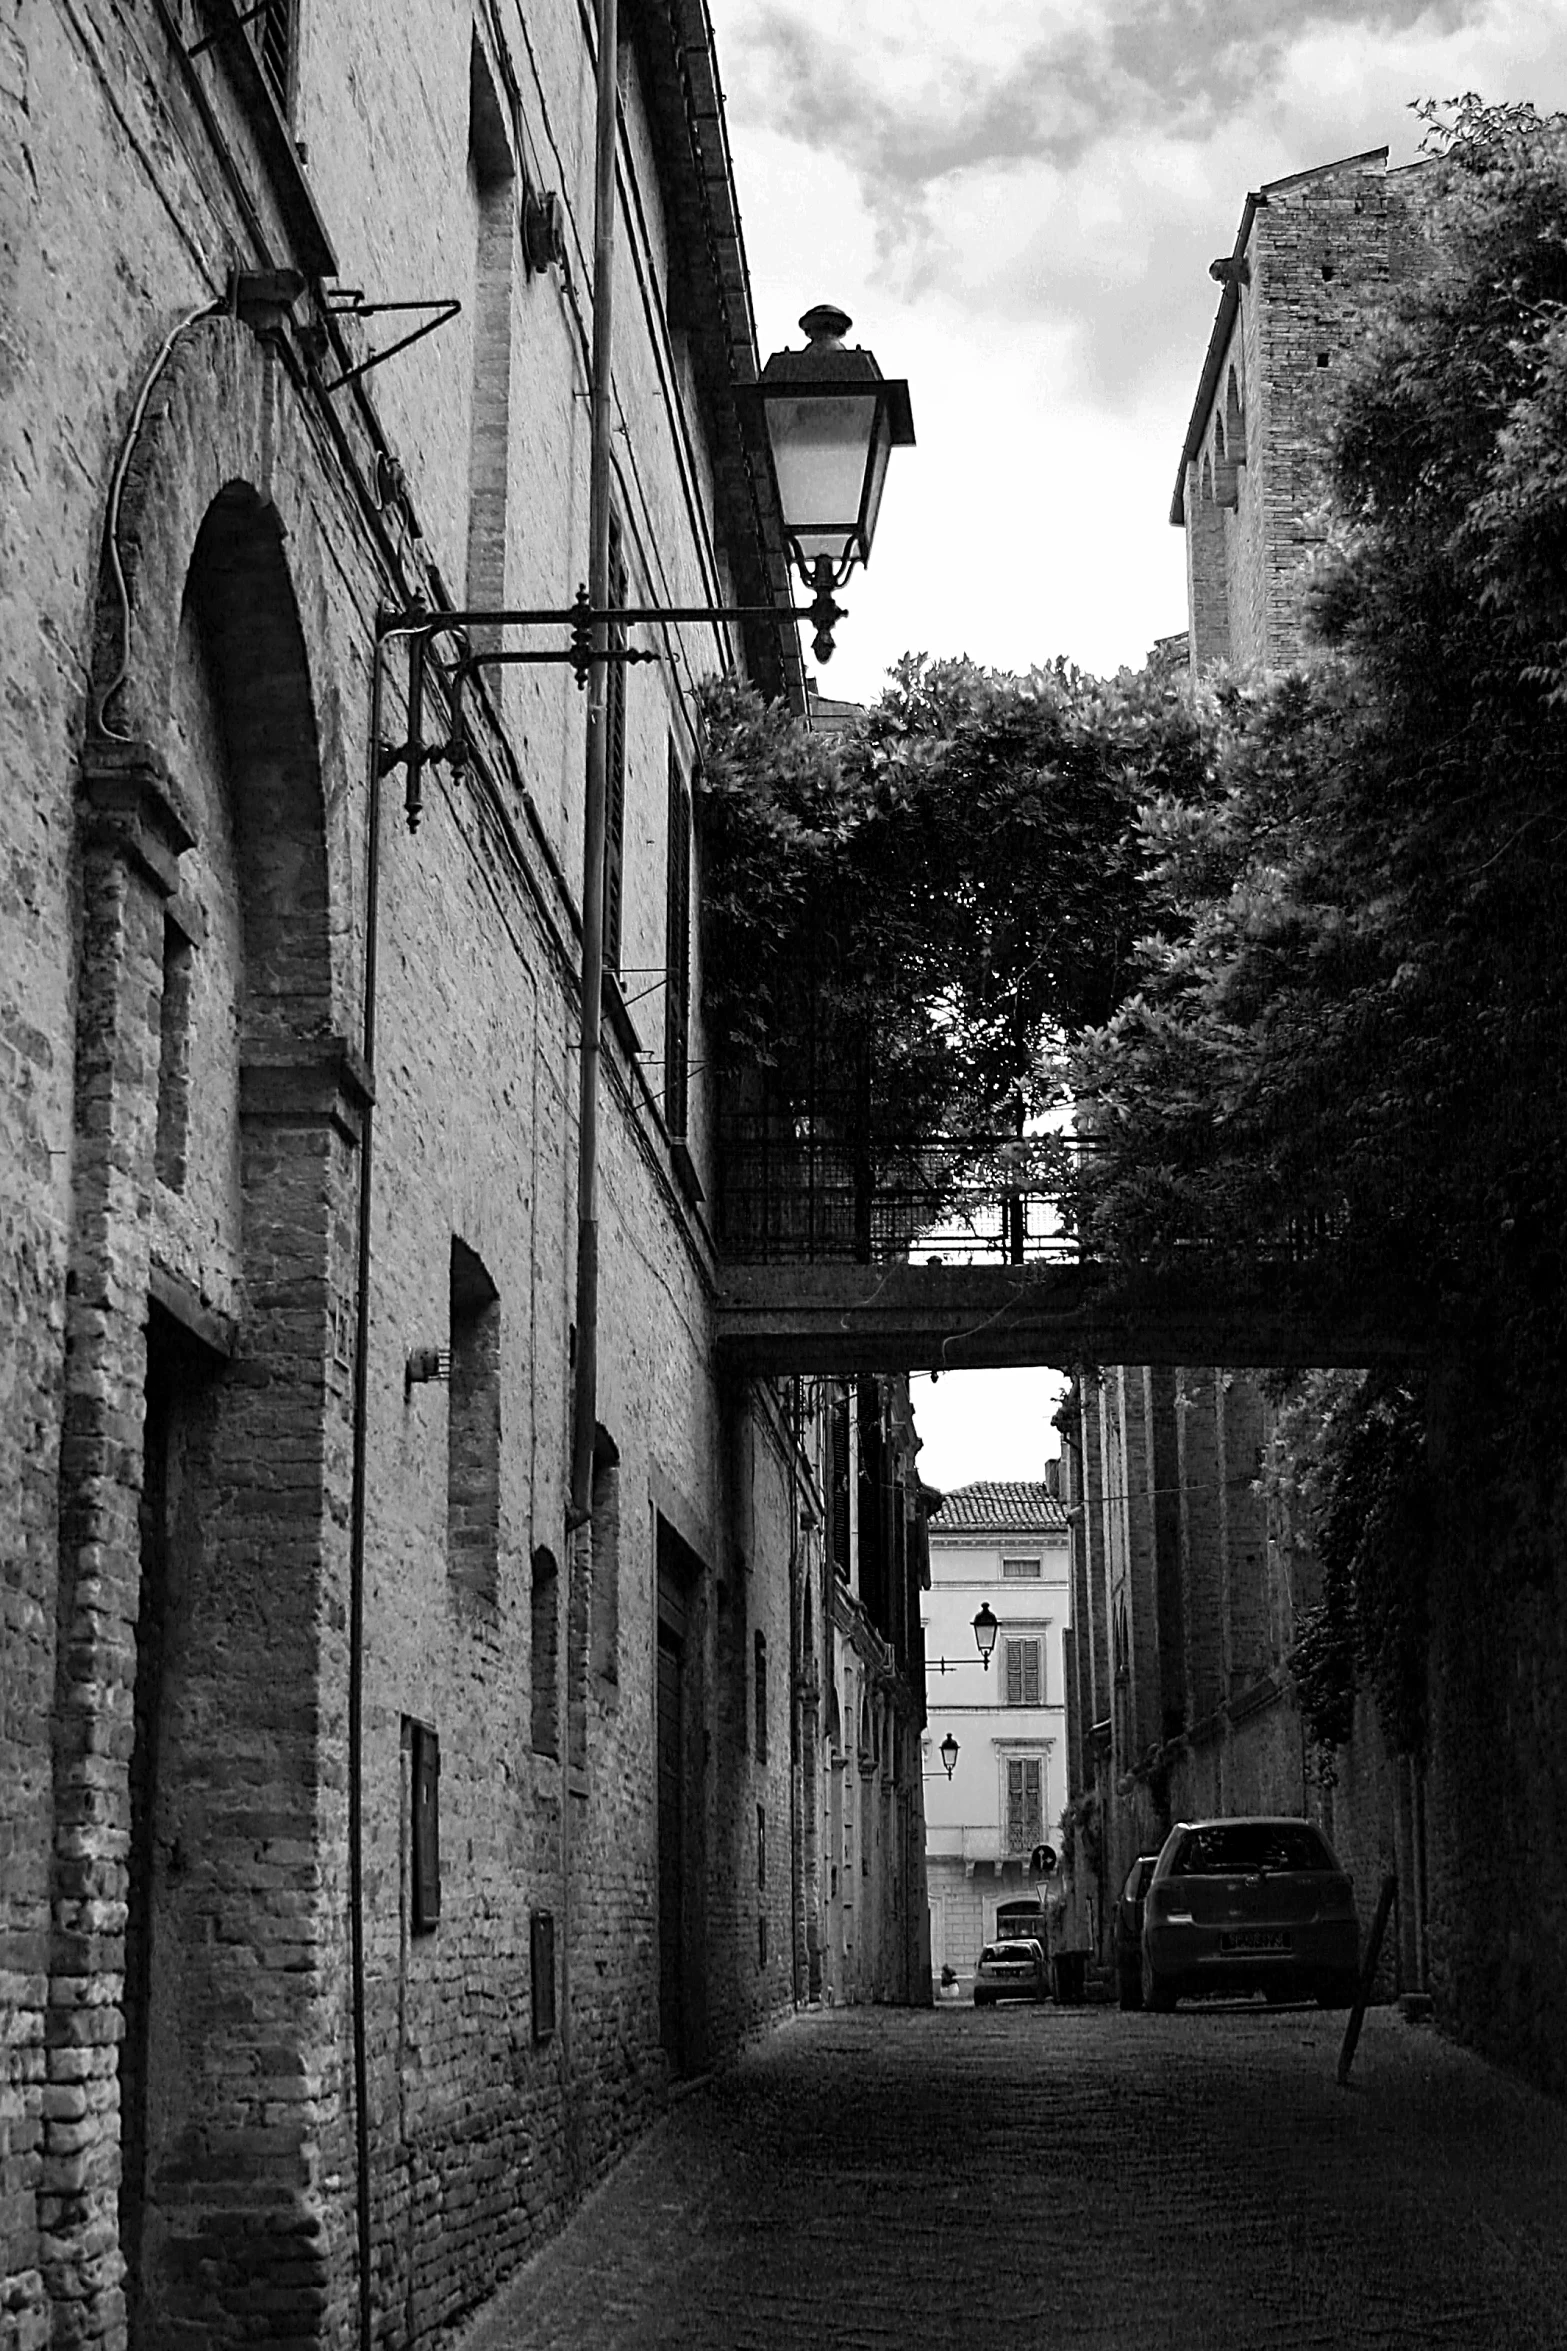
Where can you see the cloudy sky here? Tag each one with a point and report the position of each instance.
(1017, 202)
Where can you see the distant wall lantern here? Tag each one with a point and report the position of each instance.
(986, 1627)
(833, 420)
(948, 1751)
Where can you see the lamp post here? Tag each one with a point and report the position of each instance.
(948, 1751)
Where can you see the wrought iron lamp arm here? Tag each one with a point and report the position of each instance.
(583, 619)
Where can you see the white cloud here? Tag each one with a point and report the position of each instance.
(1017, 205)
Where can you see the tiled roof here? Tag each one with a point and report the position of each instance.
(1010, 1506)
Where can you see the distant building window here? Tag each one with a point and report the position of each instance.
(1025, 1803)
(271, 30)
(1024, 1673)
(1017, 1571)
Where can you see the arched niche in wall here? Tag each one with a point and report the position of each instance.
(217, 1546)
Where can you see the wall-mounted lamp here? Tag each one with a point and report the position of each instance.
(986, 1626)
(833, 420)
(948, 1751)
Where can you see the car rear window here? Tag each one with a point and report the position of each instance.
(1226, 1848)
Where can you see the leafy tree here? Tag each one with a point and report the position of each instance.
(1353, 989)
(945, 893)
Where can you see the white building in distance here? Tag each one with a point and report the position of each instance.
(1003, 1544)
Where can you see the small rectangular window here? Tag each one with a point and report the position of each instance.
(761, 1845)
(541, 1969)
(473, 1428)
(425, 1859)
(1024, 1684)
(761, 1697)
(606, 1556)
(1018, 1571)
(174, 1032)
(546, 1653)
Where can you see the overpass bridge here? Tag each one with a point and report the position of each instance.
(840, 1317)
(846, 1251)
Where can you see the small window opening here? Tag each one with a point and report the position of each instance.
(761, 1845)
(761, 1697)
(546, 1653)
(606, 1557)
(174, 1037)
(424, 1749)
(473, 1450)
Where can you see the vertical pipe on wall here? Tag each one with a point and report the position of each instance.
(585, 1382)
(586, 1369)
(356, 1539)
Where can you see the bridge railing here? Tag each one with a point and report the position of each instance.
(797, 1192)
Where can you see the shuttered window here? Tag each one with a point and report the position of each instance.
(677, 953)
(615, 757)
(1024, 1676)
(1025, 1803)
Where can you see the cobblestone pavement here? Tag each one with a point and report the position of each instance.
(1062, 2178)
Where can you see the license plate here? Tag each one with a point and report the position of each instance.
(1253, 1939)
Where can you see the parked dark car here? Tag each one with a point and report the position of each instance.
(1129, 1931)
(1011, 1971)
(1248, 1905)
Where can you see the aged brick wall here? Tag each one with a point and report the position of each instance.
(180, 1004)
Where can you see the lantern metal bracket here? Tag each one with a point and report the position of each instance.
(349, 302)
(583, 621)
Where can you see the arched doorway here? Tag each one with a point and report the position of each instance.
(204, 1470)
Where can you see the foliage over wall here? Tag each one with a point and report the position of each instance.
(937, 898)
(1353, 995)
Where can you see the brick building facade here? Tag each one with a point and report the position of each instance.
(376, 1849)
(1187, 1584)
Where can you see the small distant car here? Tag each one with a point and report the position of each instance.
(1129, 1931)
(1246, 1905)
(1011, 1971)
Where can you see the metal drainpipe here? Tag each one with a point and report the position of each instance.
(356, 1539)
(585, 1385)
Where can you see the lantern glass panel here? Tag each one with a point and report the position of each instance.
(819, 450)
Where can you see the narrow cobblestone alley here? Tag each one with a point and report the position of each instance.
(1072, 2178)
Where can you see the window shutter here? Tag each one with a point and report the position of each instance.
(677, 953)
(1014, 1673)
(614, 758)
(1030, 1651)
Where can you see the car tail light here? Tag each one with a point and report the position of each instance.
(1165, 1904)
(1338, 1899)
